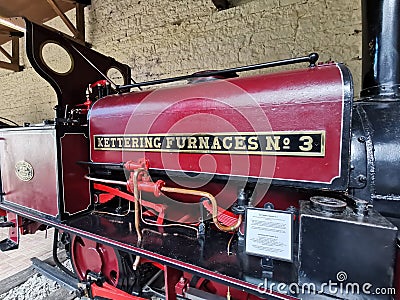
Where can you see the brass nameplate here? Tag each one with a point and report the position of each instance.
(291, 143)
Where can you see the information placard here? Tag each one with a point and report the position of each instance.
(269, 233)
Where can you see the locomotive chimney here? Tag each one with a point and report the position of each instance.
(381, 48)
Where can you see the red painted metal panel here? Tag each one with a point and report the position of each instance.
(76, 195)
(14, 232)
(36, 147)
(171, 278)
(294, 101)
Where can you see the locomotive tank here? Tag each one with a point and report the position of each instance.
(293, 127)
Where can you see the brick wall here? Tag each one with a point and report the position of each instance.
(166, 38)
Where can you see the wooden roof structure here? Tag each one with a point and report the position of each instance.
(12, 25)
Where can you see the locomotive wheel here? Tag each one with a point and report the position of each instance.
(88, 255)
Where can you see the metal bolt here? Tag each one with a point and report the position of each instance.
(362, 178)
(362, 139)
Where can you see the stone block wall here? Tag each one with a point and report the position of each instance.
(168, 38)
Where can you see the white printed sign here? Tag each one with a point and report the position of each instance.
(269, 233)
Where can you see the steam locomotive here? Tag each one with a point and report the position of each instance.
(271, 186)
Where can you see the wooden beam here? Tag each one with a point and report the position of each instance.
(15, 50)
(64, 18)
(11, 26)
(10, 66)
(13, 65)
(4, 32)
(80, 21)
(5, 53)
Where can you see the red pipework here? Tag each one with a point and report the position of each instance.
(99, 83)
(147, 186)
(181, 286)
(144, 181)
(87, 104)
(108, 291)
(132, 166)
(159, 208)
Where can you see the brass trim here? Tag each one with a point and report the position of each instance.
(24, 170)
(321, 153)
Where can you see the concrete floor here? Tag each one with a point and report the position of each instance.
(31, 245)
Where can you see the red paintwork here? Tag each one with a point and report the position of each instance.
(133, 165)
(104, 198)
(156, 264)
(224, 216)
(76, 188)
(14, 232)
(3, 213)
(146, 185)
(99, 83)
(298, 100)
(171, 278)
(37, 147)
(150, 187)
(107, 291)
(181, 286)
(159, 208)
(87, 255)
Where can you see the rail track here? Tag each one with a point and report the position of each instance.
(31, 284)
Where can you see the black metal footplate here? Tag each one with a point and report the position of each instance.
(7, 245)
